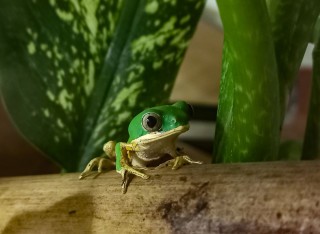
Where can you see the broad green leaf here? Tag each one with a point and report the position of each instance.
(248, 110)
(73, 73)
(311, 144)
(292, 25)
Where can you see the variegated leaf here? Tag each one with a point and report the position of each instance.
(73, 73)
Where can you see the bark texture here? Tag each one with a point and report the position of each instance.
(277, 197)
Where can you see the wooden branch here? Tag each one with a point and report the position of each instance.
(281, 197)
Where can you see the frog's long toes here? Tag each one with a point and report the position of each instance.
(126, 178)
(191, 161)
(96, 175)
(176, 166)
(145, 177)
(124, 189)
(195, 162)
(86, 174)
(82, 176)
(183, 160)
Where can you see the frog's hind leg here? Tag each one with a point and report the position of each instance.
(109, 149)
(102, 164)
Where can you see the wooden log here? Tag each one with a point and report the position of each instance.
(278, 197)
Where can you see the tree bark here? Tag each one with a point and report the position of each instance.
(278, 197)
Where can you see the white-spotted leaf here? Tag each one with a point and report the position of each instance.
(73, 73)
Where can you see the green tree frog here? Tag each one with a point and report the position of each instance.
(152, 137)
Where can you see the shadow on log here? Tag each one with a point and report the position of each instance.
(279, 197)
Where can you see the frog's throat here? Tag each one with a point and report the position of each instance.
(156, 136)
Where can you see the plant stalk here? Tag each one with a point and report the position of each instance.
(248, 112)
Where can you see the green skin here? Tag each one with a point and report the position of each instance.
(153, 134)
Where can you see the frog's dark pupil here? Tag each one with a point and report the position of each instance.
(151, 121)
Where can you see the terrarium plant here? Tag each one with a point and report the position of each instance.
(264, 43)
(73, 73)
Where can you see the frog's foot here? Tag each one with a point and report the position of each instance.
(126, 179)
(178, 162)
(102, 164)
(134, 171)
(127, 174)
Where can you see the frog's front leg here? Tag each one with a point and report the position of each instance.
(101, 163)
(124, 166)
(126, 160)
(178, 160)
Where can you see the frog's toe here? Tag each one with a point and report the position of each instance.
(85, 174)
(125, 181)
(144, 176)
(183, 160)
(190, 160)
(135, 171)
(101, 163)
(89, 168)
(140, 174)
(127, 174)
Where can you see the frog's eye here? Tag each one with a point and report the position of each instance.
(151, 122)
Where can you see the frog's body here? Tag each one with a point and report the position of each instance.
(152, 136)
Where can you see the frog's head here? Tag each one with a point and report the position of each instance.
(160, 121)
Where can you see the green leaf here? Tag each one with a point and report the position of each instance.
(316, 32)
(292, 25)
(248, 111)
(73, 73)
(311, 143)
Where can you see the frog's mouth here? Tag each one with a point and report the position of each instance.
(156, 136)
